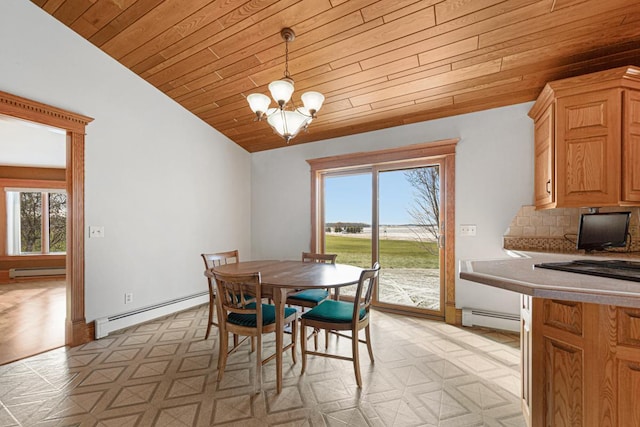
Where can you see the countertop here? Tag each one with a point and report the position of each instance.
(517, 273)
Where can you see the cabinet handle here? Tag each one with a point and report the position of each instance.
(547, 186)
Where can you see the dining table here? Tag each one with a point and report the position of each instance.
(281, 278)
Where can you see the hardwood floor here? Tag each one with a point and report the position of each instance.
(31, 318)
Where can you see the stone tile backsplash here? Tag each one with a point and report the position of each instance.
(556, 230)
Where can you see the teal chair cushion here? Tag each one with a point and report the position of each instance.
(333, 311)
(311, 295)
(268, 315)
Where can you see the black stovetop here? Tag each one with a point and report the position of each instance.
(613, 269)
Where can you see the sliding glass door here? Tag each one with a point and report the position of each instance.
(390, 214)
(408, 238)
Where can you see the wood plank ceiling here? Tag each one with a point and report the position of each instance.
(379, 63)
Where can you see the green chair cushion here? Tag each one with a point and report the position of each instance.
(333, 312)
(311, 295)
(268, 315)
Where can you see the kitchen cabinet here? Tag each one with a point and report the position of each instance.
(526, 302)
(586, 360)
(545, 195)
(631, 147)
(587, 141)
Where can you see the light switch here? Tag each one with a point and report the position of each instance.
(467, 229)
(96, 231)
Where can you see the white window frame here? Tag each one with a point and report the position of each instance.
(12, 198)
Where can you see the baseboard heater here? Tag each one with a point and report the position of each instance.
(109, 324)
(490, 319)
(36, 272)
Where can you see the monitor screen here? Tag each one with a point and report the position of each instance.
(599, 231)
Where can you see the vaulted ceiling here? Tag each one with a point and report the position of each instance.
(379, 63)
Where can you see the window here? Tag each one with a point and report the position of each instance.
(36, 221)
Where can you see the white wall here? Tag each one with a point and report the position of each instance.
(494, 177)
(24, 143)
(156, 176)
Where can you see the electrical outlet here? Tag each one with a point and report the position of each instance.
(96, 231)
(128, 297)
(467, 229)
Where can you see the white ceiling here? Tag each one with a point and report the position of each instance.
(24, 143)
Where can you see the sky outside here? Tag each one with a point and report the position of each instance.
(348, 198)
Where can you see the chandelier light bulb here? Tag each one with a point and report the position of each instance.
(288, 123)
(259, 103)
(312, 101)
(281, 91)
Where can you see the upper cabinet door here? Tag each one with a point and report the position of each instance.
(588, 149)
(631, 149)
(544, 181)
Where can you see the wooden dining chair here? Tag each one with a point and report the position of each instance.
(212, 260)
(343, 316)
(241, 312)
(310, 298)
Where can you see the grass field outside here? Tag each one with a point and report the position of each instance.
(393, 253)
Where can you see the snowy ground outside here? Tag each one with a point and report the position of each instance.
(414, 287)
(391, 232)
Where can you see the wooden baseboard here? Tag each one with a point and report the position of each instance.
(79, 333)
(452, 315)
(90, 331)
(6, 280)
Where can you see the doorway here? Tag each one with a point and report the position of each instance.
(33, 223)
(395, 207)
(409, 242)
(389, 214)
(77, 331)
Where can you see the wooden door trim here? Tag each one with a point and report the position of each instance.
(77, 330)
(414, 151)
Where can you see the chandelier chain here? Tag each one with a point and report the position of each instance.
(286, 59)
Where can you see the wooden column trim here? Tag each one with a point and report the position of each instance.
(3, 218)
(77, 330)
(75, 323)
(451, 315)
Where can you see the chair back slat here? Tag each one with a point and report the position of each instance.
(220, 258)
(364, 291)
(319, 258)
(238, 296)
(237, 291)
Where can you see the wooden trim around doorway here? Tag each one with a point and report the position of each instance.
(77, 330)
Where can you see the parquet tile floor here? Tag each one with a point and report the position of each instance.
(163, 373)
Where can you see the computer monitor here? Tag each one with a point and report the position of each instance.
(602, 230)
